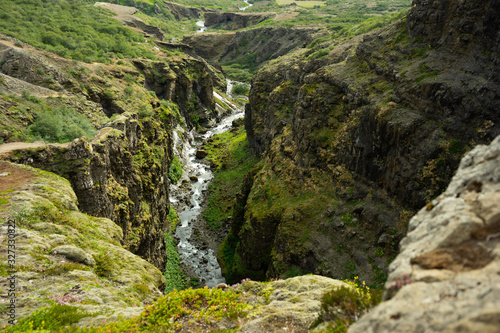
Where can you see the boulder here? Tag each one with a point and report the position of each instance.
(201, 154)
(74, 253)
(445, 278)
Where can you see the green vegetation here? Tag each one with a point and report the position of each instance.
(231, 160)
(173, 272)
(71, 29)
(175, 171)
(304, 4)
(341, 307)
(62, 124)
(241, 89)
(50, 318)
(173, 219)
(193, 309)
(343, 20)
(223, 4)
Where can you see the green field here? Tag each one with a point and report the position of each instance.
(303, 4)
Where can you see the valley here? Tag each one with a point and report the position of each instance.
(322, 166)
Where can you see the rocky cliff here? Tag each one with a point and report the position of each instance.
(252, 48)
(445, 278)
(235, 21)
(355, 135)
(63, 256)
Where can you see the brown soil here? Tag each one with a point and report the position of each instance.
(17, 177)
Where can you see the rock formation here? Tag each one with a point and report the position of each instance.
(445, 278)
(354, 136)
(122, 174)
(235, 21)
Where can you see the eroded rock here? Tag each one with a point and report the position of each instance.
(451, 255)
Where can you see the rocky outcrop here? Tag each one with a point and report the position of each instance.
(125, 15)
(372, 129)
(209, 45)
(189, 83)
(445, 278)
(180, 11)
(67, 257)
(235, 21)
(110, 182)
(121, 174)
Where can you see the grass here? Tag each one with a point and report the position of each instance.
(74, 30)
(341, 307)
(231, 159)
(51, 318)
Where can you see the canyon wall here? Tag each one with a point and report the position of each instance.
(355, 136)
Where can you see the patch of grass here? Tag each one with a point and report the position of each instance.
(173, 272)
(231, 159)
(175, 171)
(341, 307)
(75, 30)
(241, 89)
(51, 318)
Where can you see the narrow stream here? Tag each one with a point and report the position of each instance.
(198, 175)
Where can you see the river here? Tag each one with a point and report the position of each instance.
(197, 175)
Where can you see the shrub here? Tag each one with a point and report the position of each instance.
(61, 125)
(145, 110)
(173, 272)
(175, 171)
(343, 306)
(241, 89)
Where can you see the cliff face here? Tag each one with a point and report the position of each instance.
(235, 21)
(251, 48)
(445, 278)
(356, 135)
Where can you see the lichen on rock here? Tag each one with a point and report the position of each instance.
(451, 257)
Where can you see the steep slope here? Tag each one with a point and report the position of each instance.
(355, 135)
(64, 257)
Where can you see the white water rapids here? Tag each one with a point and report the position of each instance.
(202, 261)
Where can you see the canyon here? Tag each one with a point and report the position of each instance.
(372, 156)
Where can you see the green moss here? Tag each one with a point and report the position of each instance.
(175, 171)
(231, 159)
(173, 272)
(173, 219)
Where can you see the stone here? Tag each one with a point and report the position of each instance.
(451, 255)
(74, 253)
(294, 303)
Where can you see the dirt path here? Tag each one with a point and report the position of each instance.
(7, 148)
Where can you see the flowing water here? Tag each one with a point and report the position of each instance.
(201, 260)
(247, 6)
(202, 26)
